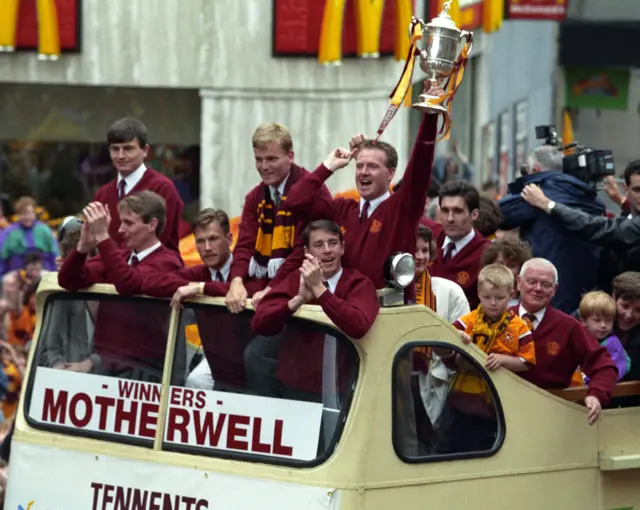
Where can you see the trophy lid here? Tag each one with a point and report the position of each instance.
(444, 19)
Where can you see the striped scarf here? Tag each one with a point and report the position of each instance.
(276, 231)
(424, 292)
(484, 334)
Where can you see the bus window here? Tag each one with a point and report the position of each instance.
(444, 404)
(280, 399)
(98, 367)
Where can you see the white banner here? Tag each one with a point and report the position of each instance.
(208, 419)
(96, 403)
(243, 423)
(45, 478)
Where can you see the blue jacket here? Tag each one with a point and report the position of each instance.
(576, 260)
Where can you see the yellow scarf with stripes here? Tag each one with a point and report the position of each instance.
(276, 231)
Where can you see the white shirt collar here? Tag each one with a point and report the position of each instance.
(539, 315)
(373, 204)
(144, 253)
(272, 189)
(333, 281)
(132, 179)
(459, 244)
(224, 270)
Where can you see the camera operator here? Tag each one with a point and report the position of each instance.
(576, 259)
(622, 234)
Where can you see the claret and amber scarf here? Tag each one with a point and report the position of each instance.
(424, 291)
(276, 231)
(484, 335)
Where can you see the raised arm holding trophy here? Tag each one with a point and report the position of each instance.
(441, 61)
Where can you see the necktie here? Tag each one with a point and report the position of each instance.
(364, 214)
(326, 284)
(134, 261)
(277, 199)
(219, 277)
(449, 252)
(121, 186)
(530, 320)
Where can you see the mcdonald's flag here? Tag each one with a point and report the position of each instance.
(493, 14)
(46, 26)
(567, 127)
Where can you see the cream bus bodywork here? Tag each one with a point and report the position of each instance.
(549, 457)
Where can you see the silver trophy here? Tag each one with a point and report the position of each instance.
(442, 39)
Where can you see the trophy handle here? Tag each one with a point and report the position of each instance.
(415, 21)
(468, 37)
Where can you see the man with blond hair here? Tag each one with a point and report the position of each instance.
(269, 242)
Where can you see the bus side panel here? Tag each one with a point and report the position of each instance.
(560, 490)
(46, 478)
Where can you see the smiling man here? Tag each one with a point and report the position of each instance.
(142, 218)
(380, 223)
(562, 343)
(269, 246)
(127, 342)
(128, 141)
(345, 295)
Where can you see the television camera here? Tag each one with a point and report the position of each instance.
(585, 163)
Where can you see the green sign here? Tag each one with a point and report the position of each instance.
(606, 89)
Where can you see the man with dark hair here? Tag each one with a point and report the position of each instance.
(345, 295)
(128, 146)
(629, 204)
(460, 246)
(381, 223)
(626, 292)
(211, 278)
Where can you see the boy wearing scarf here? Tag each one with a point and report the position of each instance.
(468, 422)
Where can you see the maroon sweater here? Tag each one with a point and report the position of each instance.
(562, 345)
(165, 285)
(353, 308)
(123, 331)
(152, 181)
(248, 229)
(463, 268)
(393, 225)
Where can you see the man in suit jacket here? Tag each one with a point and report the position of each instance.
(127, 341)
(128, 141)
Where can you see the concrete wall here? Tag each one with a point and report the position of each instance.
(223, 49)
(518, 63)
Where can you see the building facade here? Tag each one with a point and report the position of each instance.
(599, 77)
(202, 75)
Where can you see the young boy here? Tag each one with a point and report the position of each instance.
(496, 330)
(598, 314)
(468, 422)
